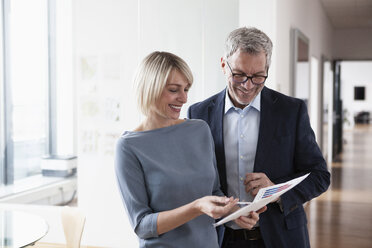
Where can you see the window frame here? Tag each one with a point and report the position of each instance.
(7, 144)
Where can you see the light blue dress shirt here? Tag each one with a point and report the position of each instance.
(240, 130)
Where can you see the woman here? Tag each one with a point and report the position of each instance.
(166, 167)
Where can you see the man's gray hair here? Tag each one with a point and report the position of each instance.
(250, 40)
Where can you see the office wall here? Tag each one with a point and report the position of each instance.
(2, 90)
(355, 73)
(262, 15)
(196, 31)
(106, 54)
(277, 18)
(111, 37)
(309, 17)
(65, 87)
(352, 44)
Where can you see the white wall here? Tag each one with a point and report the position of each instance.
(277, 18)
(309, 17)
(111, 37)
(106, 54)
(197, 34)
(2, 110)
(262, 15)
(353, 44)
(65, 79)
(355, 73)
(302, 89)
(327, 125)
(315, 106)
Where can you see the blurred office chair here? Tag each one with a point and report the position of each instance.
(73, 221)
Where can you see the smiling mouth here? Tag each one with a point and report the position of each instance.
(177, 108)
(245, 91)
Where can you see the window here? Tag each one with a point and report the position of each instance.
(28, 87)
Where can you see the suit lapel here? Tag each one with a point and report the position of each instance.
(267, 128)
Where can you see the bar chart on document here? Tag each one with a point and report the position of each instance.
(263, 197)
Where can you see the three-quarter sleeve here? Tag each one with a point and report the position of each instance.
(131, 181)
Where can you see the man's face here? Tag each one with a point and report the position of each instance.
(242, 94)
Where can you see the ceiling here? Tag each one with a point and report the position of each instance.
(349, 13)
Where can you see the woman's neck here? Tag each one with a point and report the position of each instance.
(151, 123)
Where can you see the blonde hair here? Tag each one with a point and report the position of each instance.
(152, 75)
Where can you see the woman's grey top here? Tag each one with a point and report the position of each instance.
(163, 169)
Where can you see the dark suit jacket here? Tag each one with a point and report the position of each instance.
(286, 149)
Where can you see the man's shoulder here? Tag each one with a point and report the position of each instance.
(281, 98)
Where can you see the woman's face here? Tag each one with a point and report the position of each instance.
(174, 95)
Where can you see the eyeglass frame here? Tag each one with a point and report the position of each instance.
(243, 74)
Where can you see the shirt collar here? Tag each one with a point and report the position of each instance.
(256, 103)
(228, 102)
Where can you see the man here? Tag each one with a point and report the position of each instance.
(262, 138)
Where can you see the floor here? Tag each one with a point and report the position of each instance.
(342, 217)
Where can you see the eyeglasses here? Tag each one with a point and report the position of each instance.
(241, 78)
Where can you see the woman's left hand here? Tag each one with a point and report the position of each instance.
(215, 206)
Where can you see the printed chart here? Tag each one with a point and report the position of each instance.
(263, 197)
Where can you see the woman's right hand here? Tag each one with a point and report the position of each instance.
(215, 206)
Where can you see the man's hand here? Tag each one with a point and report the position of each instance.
(255, 181)
(248, 222)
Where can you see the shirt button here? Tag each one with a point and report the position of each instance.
(241, 178)
(241, 157)
(242, 116)
(241, 136)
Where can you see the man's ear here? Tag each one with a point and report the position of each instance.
(223, 65)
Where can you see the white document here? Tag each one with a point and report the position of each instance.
(263, 197)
